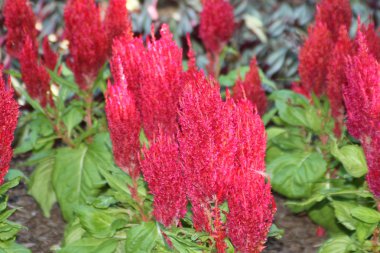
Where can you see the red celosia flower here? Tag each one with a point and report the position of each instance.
(314, 58)
(8, 123)
(123, 122)
(20, 22)
(362, 92)
(334, 13)
(336, 78)
(161, 84)
(50, 58)
(34, 74)
(117, 21)
(161, 168)
(251, 88)
(88, 43)
(251, 204)
(216, 24)
(371, 149)
(372, 39)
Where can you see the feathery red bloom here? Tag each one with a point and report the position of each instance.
(334, 13)
(336, 78)
(251, 204)
(251, 88)
(161, 84)
(362, 92)
(207, 145)
(371, 149)
(117, 21)
(88, 43)
(314, 57)
(50, 58)
(20, 22)
(216, 24)
(162, 171)
(34, 74)
(372, 39)
(8, 123)
(123, 122)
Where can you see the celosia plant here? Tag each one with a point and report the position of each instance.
(50, 58)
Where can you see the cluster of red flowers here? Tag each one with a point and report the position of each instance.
(202, 148)
(8, 123)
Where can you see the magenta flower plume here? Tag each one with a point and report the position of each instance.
(335, 14)
(314, 58)
(50, 58)
(216, 24)
(20, 23)
(336, 78)
(162, 171)
(35, 76)
(372, 39)
(8, 123)
(251, 88)
(371, 150)
(88, 43)
(123, 122)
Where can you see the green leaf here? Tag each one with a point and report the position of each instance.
(343, 214)
(352, 157)
(300, 206)
(72, 118)
(338, 244)
(15, 173)
(91, 245)
(64, 82)
(294, 174)
(229, 80)
(40, 184)
(364, 230)
(323, 214)
(12, 247)
(142, 238)
(366, 214)
(8, 185)
(275, 232)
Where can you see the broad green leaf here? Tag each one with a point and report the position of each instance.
(72, 118)
(73, 232)
(40, 185)
(364, 230)
(91, 245)
(323, 214)
(294, 174)
(275, 232)
(366, 214)
(12, 247)
(352, 157)
(338, 244)
(343, 214)
(8, 185)
(142, 238)
(274, 131)
(300, 206)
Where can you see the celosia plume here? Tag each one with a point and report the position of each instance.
(314, 58)
(162, 171)
(50, 58)
(216, 24)
(8, 123)
(372, 39)
(335, 14)
(88, 43)
(20, 23)
(35, 76)
(371, 149)
(251, 88)
(117, 21)
(123, 123)
(336, 77)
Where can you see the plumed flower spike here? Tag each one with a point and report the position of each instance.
(251, 204)
(371, 149)
(334, 13)
(161, 168)
(362, 92)
(50, 58)
(251, 88)
(124, 124)
(34, 74)
(336, 77)
(216, 24)
(88, 43)
(372, 39)
(20, 22)
(314, 57)
(117, 21)
(8, 123)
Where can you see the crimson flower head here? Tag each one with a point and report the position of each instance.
(372, 39)
(123, 122)
(88, 43)
(314, 58)
(336, 77)
(335, 14)
(161, 84)
(50, 58)
(362, 92)
(371, 148)
(162, 171)
(216, 24)
(20, 22)
(34, 75)
(117, 21)
(250, 202)
(251, 88)
(8, 123)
